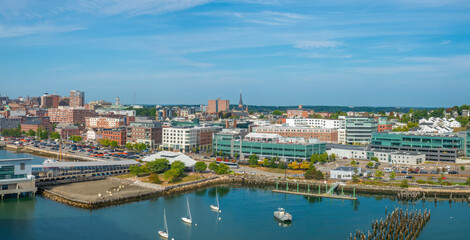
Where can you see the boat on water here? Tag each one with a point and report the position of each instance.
(188, 218)
(164, 233)
(216, 206)
(49, 160)
(282, 215)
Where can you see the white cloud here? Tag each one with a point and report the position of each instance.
(15, 31)
(446, 42)
(318, 44)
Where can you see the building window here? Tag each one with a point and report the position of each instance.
(22, 166)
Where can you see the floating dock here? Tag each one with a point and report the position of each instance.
(324, 195)
(329, 192)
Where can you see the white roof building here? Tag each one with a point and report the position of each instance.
(172, 157)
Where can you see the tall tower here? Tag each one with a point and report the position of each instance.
(240, 103)
(77, 98)
(118, 102)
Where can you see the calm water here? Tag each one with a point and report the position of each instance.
(246, 214)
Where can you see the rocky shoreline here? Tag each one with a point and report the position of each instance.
(263, 182)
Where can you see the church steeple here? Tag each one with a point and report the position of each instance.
(240, 103)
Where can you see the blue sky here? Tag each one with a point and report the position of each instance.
(362, 52)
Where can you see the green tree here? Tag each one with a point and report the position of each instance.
(253, 159)
(200, 167)
(265, 162)
(137, 170)
(113, 144)
(370, 164)
(462, 168)
(129, 146)
(323, 158)
(277, 113)
(353, 163)
(159, 165)
(375, 159)
(468, 181)
(314, 158)
(42, 134)
(172, 175)
(31, 133)
(272, 162)
(142, 146)
(222, 169)
(178, 165)
(393, 175)
(55, 135)
(104, 142)
(313, 173)
(213, 166)
(379, 174)
(333, 157)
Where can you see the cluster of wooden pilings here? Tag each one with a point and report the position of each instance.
(398, 225)
(409, 196)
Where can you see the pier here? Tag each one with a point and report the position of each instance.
(329, 193)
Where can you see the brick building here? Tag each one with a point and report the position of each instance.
(148, 132)
(77, 98)
(50, 101)
(118, 135)
(66, 130)
(35, 124)
(70, 115)
(216, 106)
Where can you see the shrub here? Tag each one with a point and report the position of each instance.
(404, 183)
(154, 178)
(222, 169)
(200, 167)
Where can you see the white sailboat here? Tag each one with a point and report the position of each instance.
(187, 219)
(216, 206)
(164, 233)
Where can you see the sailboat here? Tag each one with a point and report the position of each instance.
(216, 206)
(187, 219)
(164, 233)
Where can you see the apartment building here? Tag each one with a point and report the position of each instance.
(329, 135)
(186, 138)
(70, 115)
(216, 106)
(148, 132)
(104, 122)
(316, 122)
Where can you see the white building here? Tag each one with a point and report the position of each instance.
(407, 158)
(172, 157)
(16, 177)
(104, 122)
(316, 123)
(186, 138)
(344, 173)
(93, 136)
(342, 136)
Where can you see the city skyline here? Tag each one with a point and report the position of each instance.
(337, 53)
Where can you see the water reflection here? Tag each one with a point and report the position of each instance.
(283, 224)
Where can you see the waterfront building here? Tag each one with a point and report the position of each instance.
(70, 115)
(266, 145)
(359, 129)
(329, 135)
(185, 138)
(77, 98)
(16, 177)
(172, 157)
(148, 132)
(63, 170)
(316, 123)
(216, 106)
(437, 147)
(117, 134)
(344, 173)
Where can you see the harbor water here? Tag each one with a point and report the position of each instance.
(247, 213)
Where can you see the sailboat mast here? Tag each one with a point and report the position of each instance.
(164, 218)
(189, 210)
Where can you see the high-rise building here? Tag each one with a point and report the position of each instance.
(216, 106)
(50, 101)
(77, 98)
(359, 129)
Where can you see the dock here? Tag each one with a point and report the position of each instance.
(324, 195)
(329, 192)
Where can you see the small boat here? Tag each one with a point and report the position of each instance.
(164, 233)
(216, 206)
(187, 219)
(49, 160)
(282, 215)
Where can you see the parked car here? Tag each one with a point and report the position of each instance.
(453, 172)
(423, 172)
(433, 172)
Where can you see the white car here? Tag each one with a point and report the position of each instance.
(388, 170)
